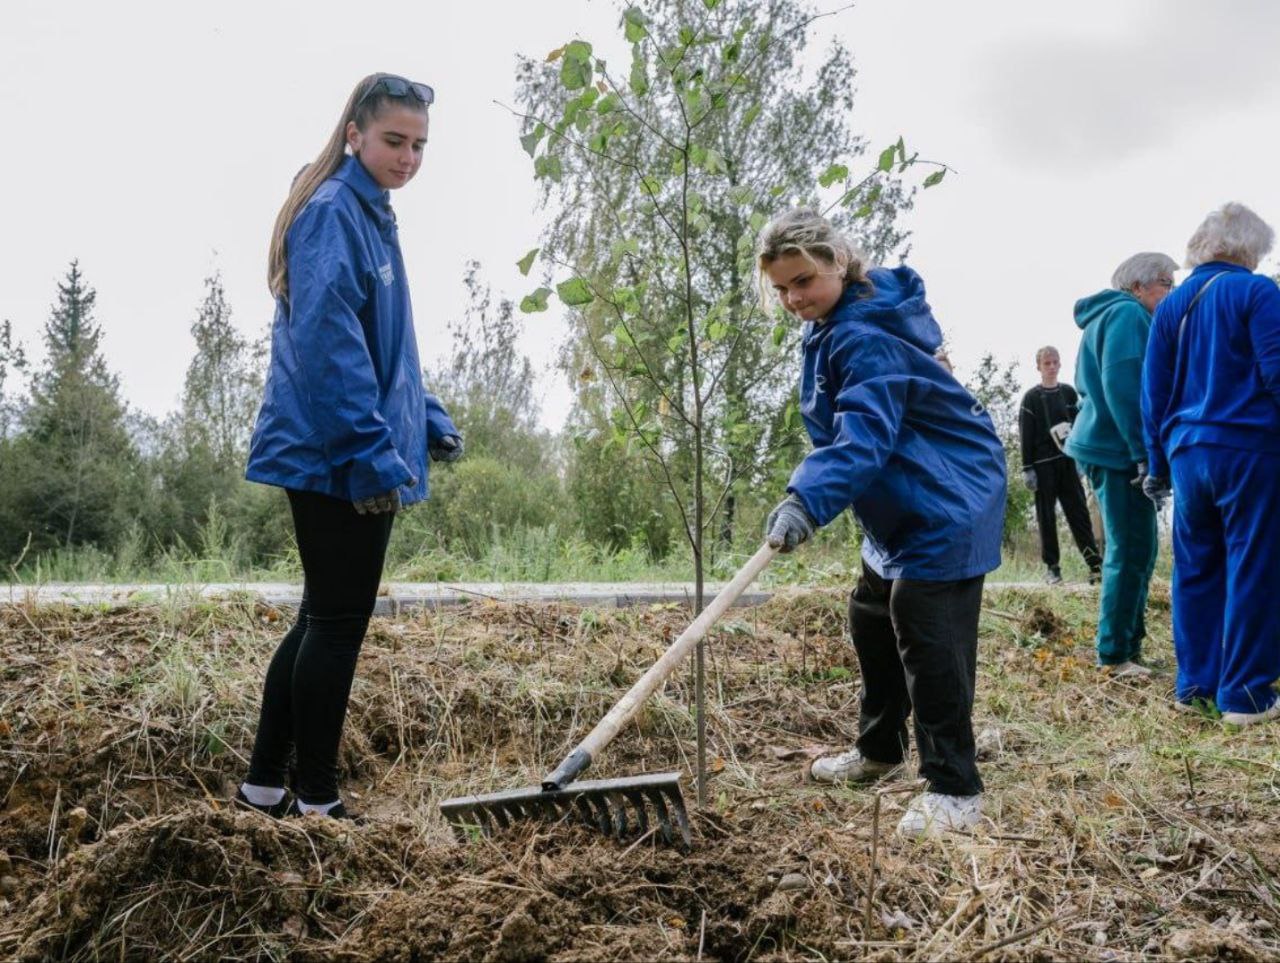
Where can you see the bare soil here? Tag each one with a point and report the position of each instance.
(1116, 828)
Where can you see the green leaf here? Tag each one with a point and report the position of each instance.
(935, 177)
(732, 52)
(530, 140)
(575, 71)
(608, 104)
(548, 165)
(779, 334)
(757, 221)
(886, 158)
(650, 184)
(836, 172)
(620, 247)
(714, 162)
(716, 330)
(639, 81)
(575, 292)
(633, 18)
(535, 302)
(623, 336)
(742, 195)
(687, 36)
(750, 116)
(711, 4)
(526, 262)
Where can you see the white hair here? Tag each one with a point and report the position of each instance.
(1145, 268)
(1232, 233)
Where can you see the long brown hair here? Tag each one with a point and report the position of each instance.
(361, 108)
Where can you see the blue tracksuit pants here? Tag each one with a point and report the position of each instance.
(1226, 576)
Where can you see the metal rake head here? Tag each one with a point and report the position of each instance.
(617, 807)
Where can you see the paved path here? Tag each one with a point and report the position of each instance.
(405, 596)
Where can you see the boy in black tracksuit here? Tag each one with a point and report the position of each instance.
(1048, 410)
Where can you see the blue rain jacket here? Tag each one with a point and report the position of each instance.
(898, 438)
(1222, 387)
(345, 412)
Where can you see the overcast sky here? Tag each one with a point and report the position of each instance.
(155, 142)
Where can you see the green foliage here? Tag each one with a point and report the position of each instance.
(656, 215)
(481, 499)
(997, 389)
(81, 481)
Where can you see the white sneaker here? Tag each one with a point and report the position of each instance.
(848, 767)
(932, 814)
(1129, 670)
(1249, 718)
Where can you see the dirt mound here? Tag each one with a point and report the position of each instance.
(237, 885)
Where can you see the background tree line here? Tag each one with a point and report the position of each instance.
(685, 420)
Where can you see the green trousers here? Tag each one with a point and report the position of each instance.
(1129, 521)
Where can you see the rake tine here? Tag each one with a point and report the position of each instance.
(637, 804)
(585, 811)
(664, 821)
(682, 817)
(618, 808)
(604, 820)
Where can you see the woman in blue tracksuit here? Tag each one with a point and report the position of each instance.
(1211, 416)
(345, 426)
(901, 442)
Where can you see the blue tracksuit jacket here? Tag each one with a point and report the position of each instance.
(1211, 414)
(897, 438)
(345, 412)
(1223, 387)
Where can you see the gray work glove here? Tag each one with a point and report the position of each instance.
(447, 449)
(1029, 479)
(378, 504)
(1157, 489)
(1140, 479)
(789, 525)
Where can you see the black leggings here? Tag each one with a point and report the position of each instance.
(917, 645)
(304, 698)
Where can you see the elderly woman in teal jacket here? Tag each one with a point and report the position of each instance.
(1211, 404)
(1107, 440)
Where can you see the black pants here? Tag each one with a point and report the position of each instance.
(917, 644)
(1057, 481)
(304, 698)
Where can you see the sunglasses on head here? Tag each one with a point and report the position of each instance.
(399, 88)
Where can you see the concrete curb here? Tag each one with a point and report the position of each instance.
(398, 597)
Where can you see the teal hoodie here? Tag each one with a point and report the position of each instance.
(1108, 431)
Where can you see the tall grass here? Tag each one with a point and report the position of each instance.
(542, 554)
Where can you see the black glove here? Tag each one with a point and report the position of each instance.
(1140, 478)
(1029, 479)
(1157, 489)
(789, 525)
(447, 449)
(377, 504)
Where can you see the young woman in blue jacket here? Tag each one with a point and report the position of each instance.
(1211, 417)
(345, 428)
(901, 442)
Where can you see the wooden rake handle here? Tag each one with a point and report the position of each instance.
(626, 707)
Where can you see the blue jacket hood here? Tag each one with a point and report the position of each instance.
(894, 302)
(897, 438)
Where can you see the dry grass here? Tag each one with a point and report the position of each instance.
(1117, 828)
